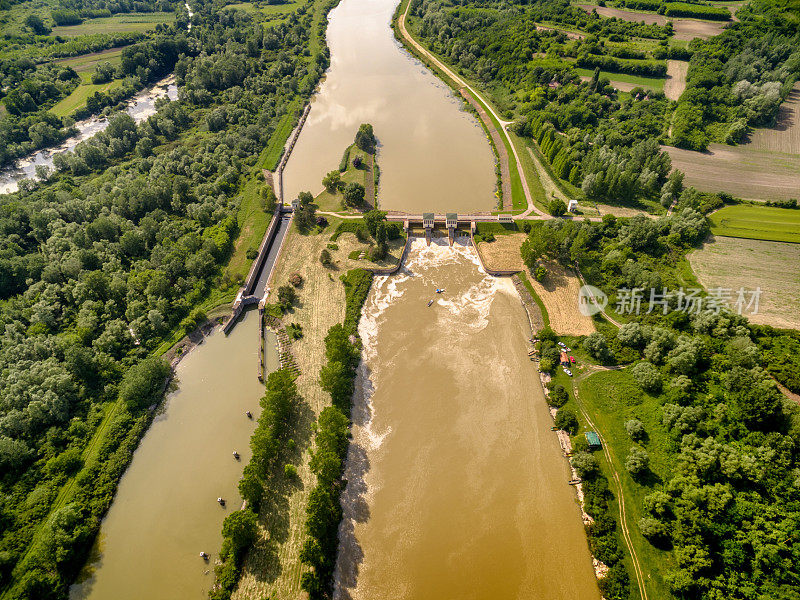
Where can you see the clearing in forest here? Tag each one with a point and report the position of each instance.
(685, 29)
(732, 263)
(676, 78)
(624, 82)
(120, 23)
(757, 223)
(559, 293)
(87, 62)
(784, 136)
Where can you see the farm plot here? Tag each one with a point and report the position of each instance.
(87, 62)
(742, 171)
(785, 135)
(757, 223)
(732, 263)
(685, 29)
(676, 78)
(624, 82)
(77, 99)
(117, 24)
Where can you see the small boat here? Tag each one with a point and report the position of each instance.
(221, 501)
(235, 455)
(249, 414)
(204, 556)
(439, 290)
(429, 303)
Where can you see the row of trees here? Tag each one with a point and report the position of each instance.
(337, 377)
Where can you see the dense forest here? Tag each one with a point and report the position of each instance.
(715, 449)
(107, 259)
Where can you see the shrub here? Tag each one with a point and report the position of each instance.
(635, 429)
(290, 471)
(251, 253)
(296, 279)
(287, 296)
(557, 207)
(558, 396)
(637, 462)
(585, 465)
(325, 257)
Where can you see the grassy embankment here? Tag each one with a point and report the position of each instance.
(757, 223)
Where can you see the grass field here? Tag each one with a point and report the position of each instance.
(623, 82)
(611, 398)
(117, 24)
(80, 94)
(757, 223)
(559, 293)
(734, 263)
(88, 62)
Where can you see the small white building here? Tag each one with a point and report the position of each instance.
(572, 206)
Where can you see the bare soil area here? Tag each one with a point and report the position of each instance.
(685, 29)
(676, 78)
(734, 263)
(743, 171)
(559, 293)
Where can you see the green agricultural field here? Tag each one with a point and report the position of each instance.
(88, 62)
(77, 99)
(625, 82)
(757, 223)
(117, 24)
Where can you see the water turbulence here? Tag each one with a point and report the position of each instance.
(165, 512)
(456, 485)
(433, 156)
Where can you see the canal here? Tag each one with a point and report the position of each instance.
(165, 511)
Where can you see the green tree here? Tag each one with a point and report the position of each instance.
(241, 528)
(557, 208)
(354, 194)
(365, 138)
(566, 420)
(372, 219)
(332, 181)
(143, 384)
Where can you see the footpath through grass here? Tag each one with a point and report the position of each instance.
(611, 398)
(757, 223)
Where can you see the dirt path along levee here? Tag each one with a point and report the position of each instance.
(505, 172)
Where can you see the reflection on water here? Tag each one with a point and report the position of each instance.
(141, 106)
(433, 156)
(456, 485)
(165, 511)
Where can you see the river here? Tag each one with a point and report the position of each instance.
(141, 106)
(456, 486)
(433, 156)
(165, 511)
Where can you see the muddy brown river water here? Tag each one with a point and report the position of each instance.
(433, 156)
(456, 486)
